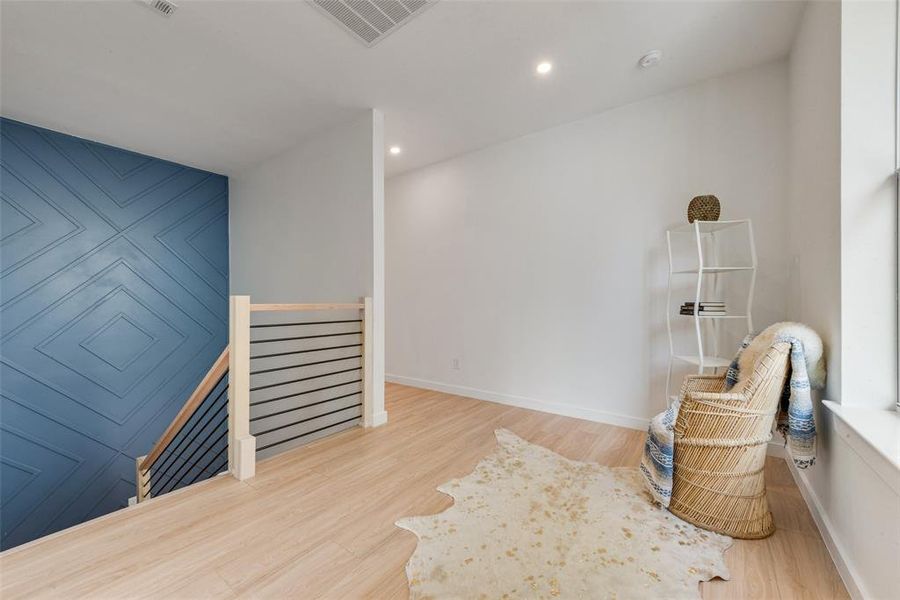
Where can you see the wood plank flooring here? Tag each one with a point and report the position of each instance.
(318, 521)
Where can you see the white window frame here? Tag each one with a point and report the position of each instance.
(897, 176)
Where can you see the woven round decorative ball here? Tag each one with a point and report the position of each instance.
(704, 208)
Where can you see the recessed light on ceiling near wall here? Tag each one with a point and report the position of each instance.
(395, 150)
(651, 59)
(544, 67)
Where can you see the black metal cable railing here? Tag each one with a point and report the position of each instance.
(297, 397)
(200, 448)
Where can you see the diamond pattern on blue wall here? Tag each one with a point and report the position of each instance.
(16, 477)
(113, 304)
(14, 219)
(119, 342)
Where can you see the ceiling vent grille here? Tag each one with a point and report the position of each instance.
(163, 7)
(370, 21)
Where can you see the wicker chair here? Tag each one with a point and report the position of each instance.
(720, 449)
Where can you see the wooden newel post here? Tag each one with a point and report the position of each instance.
(368, 364)
(241, 445)
(142, 478)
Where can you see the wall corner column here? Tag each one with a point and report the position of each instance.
(379, 416)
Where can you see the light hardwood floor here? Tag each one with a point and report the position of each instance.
(318, 521)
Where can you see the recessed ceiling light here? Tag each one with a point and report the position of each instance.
(651, 59)
(544, 67)
(395, 150)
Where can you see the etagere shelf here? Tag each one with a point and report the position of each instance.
(712, 277)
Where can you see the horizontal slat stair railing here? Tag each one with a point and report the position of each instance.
(308, 375)
(315, 381)
(196, 399)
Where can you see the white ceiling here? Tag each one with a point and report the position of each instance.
(223, 85)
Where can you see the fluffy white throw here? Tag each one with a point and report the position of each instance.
(796, 420)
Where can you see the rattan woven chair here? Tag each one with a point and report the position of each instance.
(720, 449)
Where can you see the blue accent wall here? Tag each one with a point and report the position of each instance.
(113, 305)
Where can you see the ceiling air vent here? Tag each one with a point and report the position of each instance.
(370, 21)
(163, 7)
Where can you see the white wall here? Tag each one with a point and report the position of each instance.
(307, 225)
(815, 175)
(531, 261)
(856, 509)
(306, 215)
(868, 203)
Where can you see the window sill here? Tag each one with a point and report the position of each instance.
(874, 435)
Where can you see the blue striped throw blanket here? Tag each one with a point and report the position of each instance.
(795, 420)
(656, 463)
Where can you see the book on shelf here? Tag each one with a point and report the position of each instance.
(702, 305)
(685, 307)
(705, 308)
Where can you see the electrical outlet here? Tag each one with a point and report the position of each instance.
(454, 364)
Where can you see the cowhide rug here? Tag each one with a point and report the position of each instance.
(528, 523)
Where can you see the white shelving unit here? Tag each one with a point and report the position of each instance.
(708, 272)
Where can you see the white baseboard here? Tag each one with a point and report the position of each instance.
(826, 530)
(379, 418)
(556, 408)
(776, 448)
